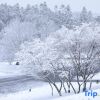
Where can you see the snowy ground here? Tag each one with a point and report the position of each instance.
(13, 72)
(44, 93)
(7, 70)
(40, 90)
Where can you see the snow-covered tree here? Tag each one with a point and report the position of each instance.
(97, 19)
(84, 15)
(65, 16)
(90, 17)
(62, 50)
(13, 35)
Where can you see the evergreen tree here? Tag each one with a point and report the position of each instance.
(90, 16)
(84, 15)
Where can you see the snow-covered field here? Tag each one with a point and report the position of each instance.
(44, 93)
(41, 91)
(7, 70)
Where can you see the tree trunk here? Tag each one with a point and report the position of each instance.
(51, 88)
(68, 87)
(84, 86)
(73, 88)
(54, 84)
(90, 85)
(64, 87)
(79, 88)
(59, 92)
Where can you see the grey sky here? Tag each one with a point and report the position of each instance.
(76, 5)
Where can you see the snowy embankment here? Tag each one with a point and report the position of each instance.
(7, 70)
(44, 93)
(41, 92)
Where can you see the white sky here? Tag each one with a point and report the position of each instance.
(76, 5)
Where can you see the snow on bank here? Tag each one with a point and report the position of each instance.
(44, 93)
(7, 70)
(41, 92)
(80, 96)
